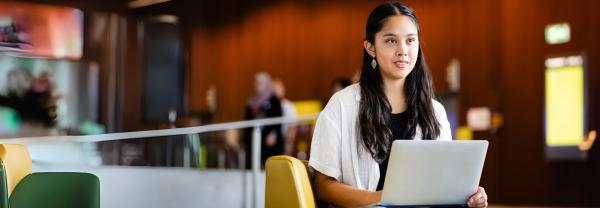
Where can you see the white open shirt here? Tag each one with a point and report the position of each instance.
(335, 149)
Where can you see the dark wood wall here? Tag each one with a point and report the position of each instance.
(307, 46)
(524, 175)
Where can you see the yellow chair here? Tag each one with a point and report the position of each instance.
(17, 164)
(288, 183)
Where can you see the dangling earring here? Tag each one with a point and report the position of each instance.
(374, 63)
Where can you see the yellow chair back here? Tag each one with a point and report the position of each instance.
(17, 163)
(307, 107)
(288, 183)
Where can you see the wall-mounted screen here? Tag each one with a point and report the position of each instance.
(37, 30)
(564, 107)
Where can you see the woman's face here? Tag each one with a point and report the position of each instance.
(396, 47)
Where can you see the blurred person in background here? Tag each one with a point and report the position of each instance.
(264, 104)
(33, 99)
(288, 130)
(31, 96)
(339, 84)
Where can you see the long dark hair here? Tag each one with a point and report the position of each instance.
(374, 111)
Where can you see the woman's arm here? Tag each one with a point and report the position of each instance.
(330, 190)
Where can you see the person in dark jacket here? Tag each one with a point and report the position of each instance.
(264, 104)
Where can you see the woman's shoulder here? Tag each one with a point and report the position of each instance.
(438, 108)
(436, 104)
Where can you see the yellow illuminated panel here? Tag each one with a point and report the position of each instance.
(564, 106)
(308, 107)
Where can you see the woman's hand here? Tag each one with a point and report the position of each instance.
(479, 199)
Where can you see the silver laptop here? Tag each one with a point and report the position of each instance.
(429, 173)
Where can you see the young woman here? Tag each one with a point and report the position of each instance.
(393, 100)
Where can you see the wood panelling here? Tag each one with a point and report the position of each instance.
(525, 175)
(305, 46)
(522, 80)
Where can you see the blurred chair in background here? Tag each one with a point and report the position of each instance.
(52, 189)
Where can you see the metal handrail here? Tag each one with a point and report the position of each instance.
(160, 132)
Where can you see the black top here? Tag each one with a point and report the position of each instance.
(397, 125)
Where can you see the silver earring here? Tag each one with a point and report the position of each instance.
(373, 63)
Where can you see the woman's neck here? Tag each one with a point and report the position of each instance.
(394, 91)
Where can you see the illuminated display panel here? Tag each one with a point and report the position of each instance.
(564, 107)
(37, 30)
